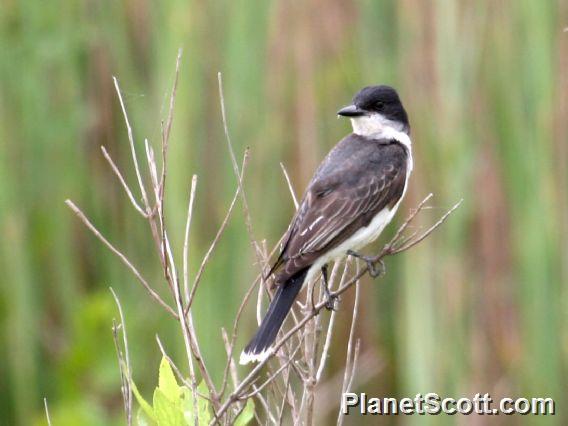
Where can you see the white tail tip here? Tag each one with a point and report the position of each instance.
(245, 357)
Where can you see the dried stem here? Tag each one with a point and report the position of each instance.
(186, 240)
(123, 361)
(239, 176)
(305, 354)
(127, 189)
(46, 412)
(215, 241)
(350, 359)
(172, 363)
(387, 250)
(330, 327)
(290, 187)
(121, 256)
(132, 148)
(234, 335)
(272, 377)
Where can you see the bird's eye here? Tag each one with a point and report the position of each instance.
(379, 106)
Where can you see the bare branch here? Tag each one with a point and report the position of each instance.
(272, 377)
(230, 366)
(123, 182)
(387, 251)
(349, 376)
(166, 135)
(123, 361)
(239, 176)
(152, 168)
(354, 365)
(289, 182)
(264, 404)
(283, 404)
(349, 360)
(234, 335)
(132, 148)
(46, 412)
(410, 218)
(122, 257)
(330, 328)
(172, 363)
(429, 230)
(215, 240)
(190, 346)
(186, 239)
(165, 138)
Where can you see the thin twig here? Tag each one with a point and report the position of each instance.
(329, 333)
(234, 336)
(132, 148)
(165, 139)
(121, 256)
(264, 404)
(271, 378)
(150, 158)
(172, 363)
(413, 213)
(349, 360)
(186, 240)
(429, 230)
(188, 330)
(290, 187)
(239, 176)
(386, 251)
(46, 412)
(126, 377)
(354, 365)
(282, 405)
(207, 256)
(168, 128)
(231, 366)
(123, 182)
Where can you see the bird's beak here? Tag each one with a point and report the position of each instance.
(351, 111)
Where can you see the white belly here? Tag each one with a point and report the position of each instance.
(359, 239)
(370, 233)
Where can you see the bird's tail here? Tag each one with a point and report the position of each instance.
(258, 348)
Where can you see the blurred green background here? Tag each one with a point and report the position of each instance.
(479, 307)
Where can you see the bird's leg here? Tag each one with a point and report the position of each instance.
(330, 298)
(374, 271)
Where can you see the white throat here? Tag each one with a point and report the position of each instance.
(375, 126)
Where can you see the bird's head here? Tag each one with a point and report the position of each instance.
(376, 110)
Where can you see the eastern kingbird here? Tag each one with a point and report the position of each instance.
(352, 196)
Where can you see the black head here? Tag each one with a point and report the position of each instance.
(377, 99)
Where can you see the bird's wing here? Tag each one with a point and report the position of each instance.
(334, 208)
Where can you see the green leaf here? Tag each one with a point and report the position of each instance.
(246, 415)
(142, 418)
(203, 404)
(167, 412)
(204, 412)
(147, 408)
(167, 382)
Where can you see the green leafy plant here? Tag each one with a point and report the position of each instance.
(173, 405)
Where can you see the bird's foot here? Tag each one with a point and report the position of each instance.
(330, 300)
(329, 297)
(374, 270)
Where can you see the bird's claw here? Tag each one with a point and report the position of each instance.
(374, 270)
(377, 270)
(330, 301)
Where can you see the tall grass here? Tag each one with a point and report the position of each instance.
(479, 308)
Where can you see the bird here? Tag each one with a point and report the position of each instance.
(352, 196)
